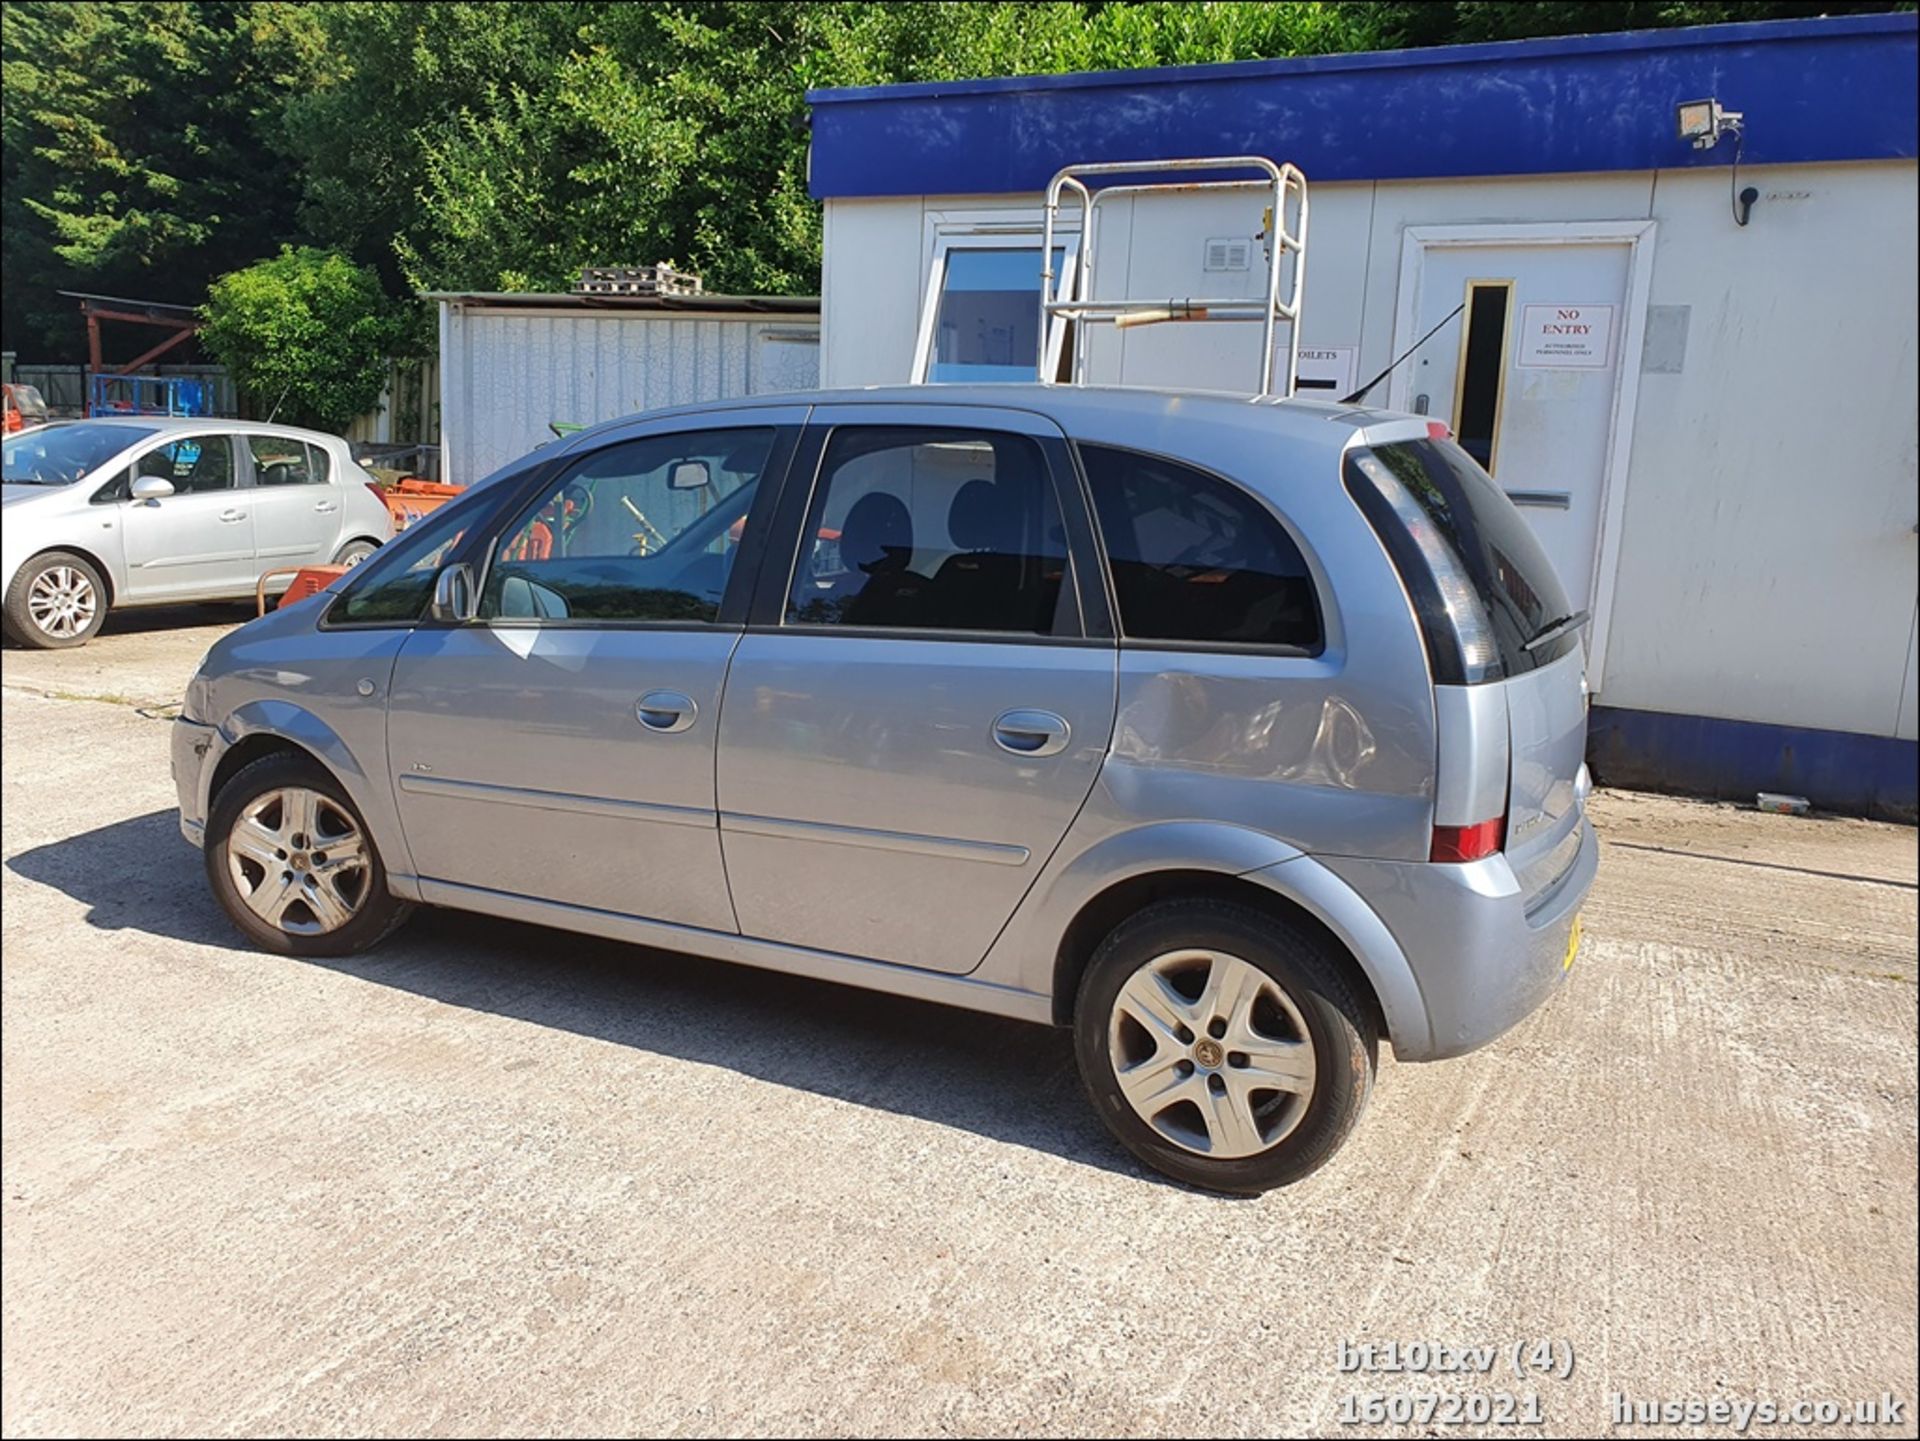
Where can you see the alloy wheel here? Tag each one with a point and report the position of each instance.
(62, 601)
(299, 861)
(1212, 1053)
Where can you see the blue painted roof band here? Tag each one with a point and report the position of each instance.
(1812, 90)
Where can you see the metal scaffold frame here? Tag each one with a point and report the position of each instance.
(1285, 236)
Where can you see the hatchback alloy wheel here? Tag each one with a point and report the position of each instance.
(55, 601)
(1223, 1045)
(1211, 1053)
(298, 861)
(62, 601)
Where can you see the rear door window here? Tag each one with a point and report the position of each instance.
(933, 530)
(279, 461)
(1196, 559)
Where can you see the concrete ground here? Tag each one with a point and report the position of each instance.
(499, 1179)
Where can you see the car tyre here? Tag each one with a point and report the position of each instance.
(1186, 1013)
(57, 601)
(353, 552)
(292, 863)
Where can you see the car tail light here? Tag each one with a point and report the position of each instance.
(1437, 430)
(379, 491)
(1454, 844)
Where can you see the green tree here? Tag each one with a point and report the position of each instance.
(404, 73)
(305, 335)
(139, 149)
(1414, 22)
(678, 131)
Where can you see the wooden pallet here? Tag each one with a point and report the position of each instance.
(636, 280)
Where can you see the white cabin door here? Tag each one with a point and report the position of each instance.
(1529, 373)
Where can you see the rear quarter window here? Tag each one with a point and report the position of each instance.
(1196, 559)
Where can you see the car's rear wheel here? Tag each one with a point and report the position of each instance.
(1222, 1046)
(56, 601)
(293, 864)
(353, 552)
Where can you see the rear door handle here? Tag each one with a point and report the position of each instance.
(325, 507)
(1031, 733)
(228, 517)
(666, 712)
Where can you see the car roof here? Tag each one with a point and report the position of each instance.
(1073, 408)
(171, 423)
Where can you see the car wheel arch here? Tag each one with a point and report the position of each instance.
(246, 751)
(261, 727)
(1298, 892)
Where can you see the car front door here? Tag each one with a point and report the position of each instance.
(926, 693)
(296, 510)
(561, 745)
(197, 541)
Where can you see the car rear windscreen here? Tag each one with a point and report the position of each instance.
(1490, 546)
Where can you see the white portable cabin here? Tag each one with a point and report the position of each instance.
(511, 364)
(1692, 365)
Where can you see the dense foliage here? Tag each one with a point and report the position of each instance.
(305, 336)
(152, 145)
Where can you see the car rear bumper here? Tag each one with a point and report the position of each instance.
(1482, 959)
(193, 747)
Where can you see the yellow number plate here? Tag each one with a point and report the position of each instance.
(1573, 945)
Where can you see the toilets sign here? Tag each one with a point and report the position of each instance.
(1566, 337)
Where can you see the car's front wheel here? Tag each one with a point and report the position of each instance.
(56, 601)
(1222, 1046)
(293, 864)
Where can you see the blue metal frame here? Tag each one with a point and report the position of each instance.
(147, 395)
(1812, 90)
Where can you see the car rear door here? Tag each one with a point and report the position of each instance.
(925, 696)
(296, 511)
(561, 745)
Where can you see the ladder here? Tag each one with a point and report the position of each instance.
(1070, 296)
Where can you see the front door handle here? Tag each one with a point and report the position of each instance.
(666, 712)
(1031, 733)
(230, 517)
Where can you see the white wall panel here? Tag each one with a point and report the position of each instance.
(507, 374)
(1767, 556)
(870, 292)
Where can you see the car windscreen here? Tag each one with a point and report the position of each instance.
(63, 454)
(1516, 583)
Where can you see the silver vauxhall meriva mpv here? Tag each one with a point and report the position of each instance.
(1236, 735)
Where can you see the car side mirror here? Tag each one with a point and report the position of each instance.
(152, 489)
(690, 475)
(453, 598)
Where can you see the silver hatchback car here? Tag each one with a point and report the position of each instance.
(1237, 735)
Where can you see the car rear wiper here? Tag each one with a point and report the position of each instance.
(1554, 629)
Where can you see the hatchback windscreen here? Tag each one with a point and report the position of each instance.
(1525, 607)
(63, 454)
